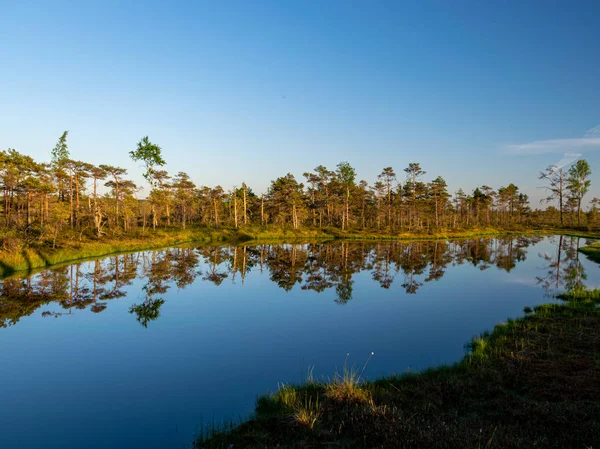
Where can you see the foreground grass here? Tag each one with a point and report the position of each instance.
(532, 382)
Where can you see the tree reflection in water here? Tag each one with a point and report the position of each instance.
(314, 266)
(562, 268)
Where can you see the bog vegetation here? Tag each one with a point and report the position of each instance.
(46, 203)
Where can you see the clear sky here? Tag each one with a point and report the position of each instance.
(250, 90)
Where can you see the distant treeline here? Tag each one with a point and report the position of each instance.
(48, 200)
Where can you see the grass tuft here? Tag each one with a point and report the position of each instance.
(307, 412)
(347, 385)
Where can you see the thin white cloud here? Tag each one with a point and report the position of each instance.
(589, 142)
(556, 146)
(593, 133)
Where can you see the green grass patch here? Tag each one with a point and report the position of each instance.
(581, 295)
(592, 251)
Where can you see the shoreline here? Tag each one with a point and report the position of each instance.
(36, 257)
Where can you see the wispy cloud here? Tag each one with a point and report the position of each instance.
(556, 146)
(594, 132)
(589, 142)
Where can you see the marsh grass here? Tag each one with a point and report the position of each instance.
(347, 386)
(531, 382)
(307, 412)
(581, 295)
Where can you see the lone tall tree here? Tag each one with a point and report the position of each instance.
(578, 184)
(60, 156)
(150, 154)
(60, 153)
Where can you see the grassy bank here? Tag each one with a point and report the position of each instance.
(532, 382)
(27, 257)
(592, 251)
(22, 256)
(445, 235)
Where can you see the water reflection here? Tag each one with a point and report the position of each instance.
(317, 267)
(562, 268)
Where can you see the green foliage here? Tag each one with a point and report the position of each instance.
(346, 174)
(60, 153)
(151, 155)
(579, 184)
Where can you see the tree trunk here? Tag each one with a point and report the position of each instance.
(216, 212)
(116, 201)
(245, 206)
(153, 215)
(28, 208)
(77, 205)
(96, 221)
(235, 215)
(71, 200)
(347, 207)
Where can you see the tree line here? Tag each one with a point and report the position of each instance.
(49, 199)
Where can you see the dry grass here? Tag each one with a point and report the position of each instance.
(308, 412)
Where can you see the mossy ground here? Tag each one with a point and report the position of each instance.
(532, 382)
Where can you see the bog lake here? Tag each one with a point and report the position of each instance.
(138, 350)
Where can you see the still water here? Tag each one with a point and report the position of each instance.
(137, 350)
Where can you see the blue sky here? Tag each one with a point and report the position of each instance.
(247, 91)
